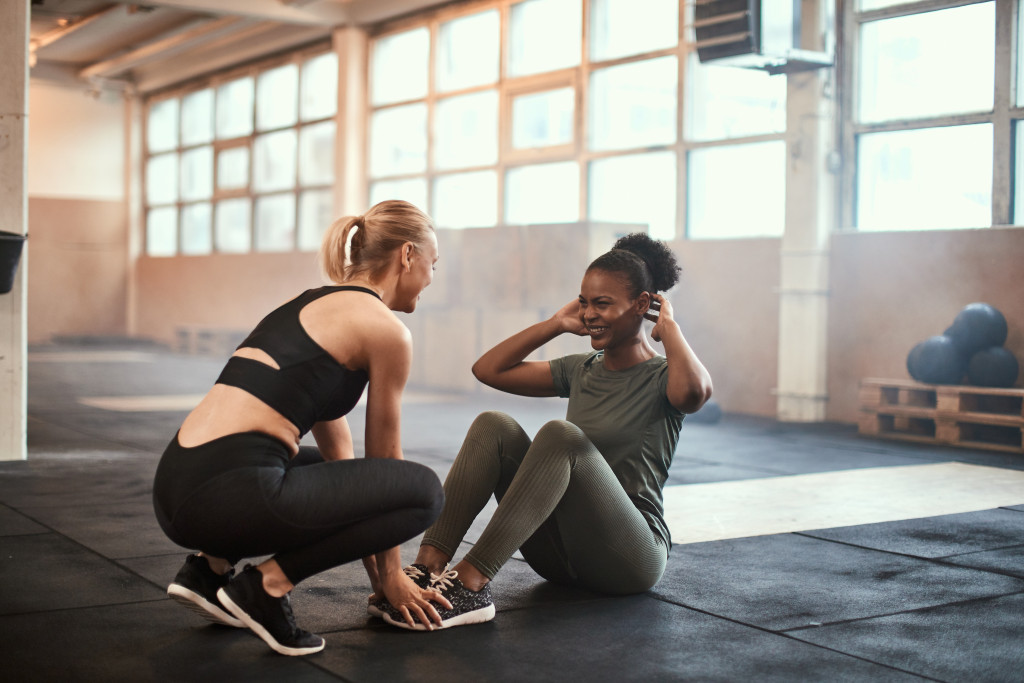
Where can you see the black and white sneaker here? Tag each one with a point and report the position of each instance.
(269, 617)
(468, 607)
(419, 574)
(195, 586)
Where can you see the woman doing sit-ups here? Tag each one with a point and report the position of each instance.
(582, 500)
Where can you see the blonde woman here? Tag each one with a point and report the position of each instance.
(234, 483)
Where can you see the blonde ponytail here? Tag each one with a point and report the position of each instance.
(360, 246)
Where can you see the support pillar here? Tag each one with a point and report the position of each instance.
(810, 217)
(14, 36)
(350, 144)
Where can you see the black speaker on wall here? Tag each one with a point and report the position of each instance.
(727, 28)
(755, 34)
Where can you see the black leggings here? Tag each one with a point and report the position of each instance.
(242, 496)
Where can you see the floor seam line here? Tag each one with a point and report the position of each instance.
(785, 634)
(955, 603)
(933, 560)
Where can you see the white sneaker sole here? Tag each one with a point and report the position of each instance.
(373, 610)
(201, 606)
(477, 616)
(263, 633)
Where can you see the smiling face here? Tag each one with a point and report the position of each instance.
(422, 261)
(607, 311)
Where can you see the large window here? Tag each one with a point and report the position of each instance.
(924, 124)
(545, 111)
(245, 162)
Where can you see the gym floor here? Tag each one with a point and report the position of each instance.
(802, 552)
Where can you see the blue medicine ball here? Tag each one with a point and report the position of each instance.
(937, 360)
(979, 326)
(993, 367)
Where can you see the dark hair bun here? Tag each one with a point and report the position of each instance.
(656, 255)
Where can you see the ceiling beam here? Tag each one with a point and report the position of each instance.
(163, 48)
(329, 12)
(53, 35)
(250, 43)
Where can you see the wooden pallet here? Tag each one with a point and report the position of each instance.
(953, 415)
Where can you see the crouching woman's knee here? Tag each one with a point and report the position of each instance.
(429, 494)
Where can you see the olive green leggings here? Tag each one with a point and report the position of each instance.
(559, 503)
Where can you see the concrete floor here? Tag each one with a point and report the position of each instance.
(84, 566)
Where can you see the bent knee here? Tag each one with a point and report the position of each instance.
(427, 487)
(561, 432)
(494, 421)
(494, 426)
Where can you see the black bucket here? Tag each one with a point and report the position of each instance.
(10, 254)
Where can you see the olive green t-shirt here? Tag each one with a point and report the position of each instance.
(627, 416)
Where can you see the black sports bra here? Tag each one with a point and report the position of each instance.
(309, 385)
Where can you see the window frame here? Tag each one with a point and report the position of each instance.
(1002, 117)
(253, 70)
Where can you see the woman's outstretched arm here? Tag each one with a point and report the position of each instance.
(689, 383)
(504, 367)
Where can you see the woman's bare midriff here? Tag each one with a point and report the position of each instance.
(227, 410)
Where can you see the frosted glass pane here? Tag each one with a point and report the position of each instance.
(399, 66)
(274, 161)
(316, 154)
(162, 126)
(398, 140)
(627, 27)
(277, 97)
(466, 200)
(544, 35)
(634, 105)
(544, 193)
(467, 51)
(197, 118)
(162, 179)
(316, 213)
(234, 108)
(412, 190)
(726, 102)
(925, 179)
(928, 64)
(543, 119)
(233, 229)
(275, 222)
(197, 173)
(466, 131)
(162, 231)
(233, 168)
(197, 229)
(737, 191)
(320, 87)
(636, 188)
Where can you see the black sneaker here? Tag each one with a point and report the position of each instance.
(419, 574)
(195, 586)
(468, 607)
(269, 617)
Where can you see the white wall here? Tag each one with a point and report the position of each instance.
(75, 143)
(78, 276)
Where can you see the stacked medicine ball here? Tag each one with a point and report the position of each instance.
(971, 346)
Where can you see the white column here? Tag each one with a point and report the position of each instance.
(810, 217)
(350, 44)
(14, 36)
(133, 205)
